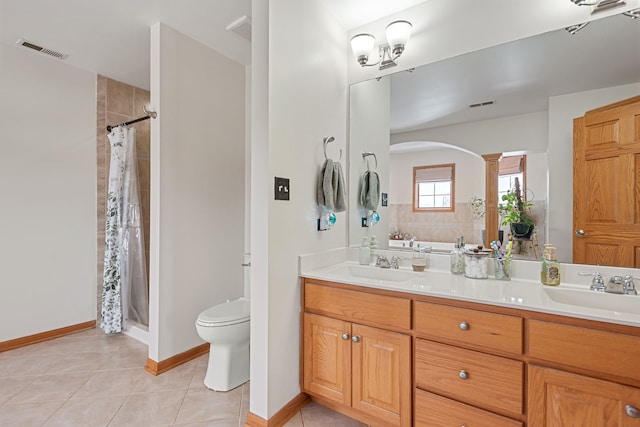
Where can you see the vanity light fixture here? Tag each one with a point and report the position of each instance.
(586, 2)
(398, 33)
(633, 14)
(572, 29)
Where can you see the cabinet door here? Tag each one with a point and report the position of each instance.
(382, 374)
(327, 358)
(561, 399)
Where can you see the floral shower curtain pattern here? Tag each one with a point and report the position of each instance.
(124, 292)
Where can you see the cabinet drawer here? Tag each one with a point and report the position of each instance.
(363, 307)
(472, 328)
(491, 382)
(606, 352)
(434, 410)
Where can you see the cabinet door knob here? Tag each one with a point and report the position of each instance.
(464, 326)
(463, 375)
(632, 411)
(355, 339)
(345, 336)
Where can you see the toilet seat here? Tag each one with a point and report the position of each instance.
(225, 314)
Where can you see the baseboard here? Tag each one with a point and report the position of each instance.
(280, 417)
(45, 336)
(157, 368)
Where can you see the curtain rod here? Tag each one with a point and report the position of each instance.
(150, 115)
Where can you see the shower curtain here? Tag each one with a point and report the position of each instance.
(124, 292)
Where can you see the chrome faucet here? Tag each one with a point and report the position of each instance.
(597, 283)
(382, 262)
(395, 262)
(621, 285)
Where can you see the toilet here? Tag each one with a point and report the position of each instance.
(226, 327)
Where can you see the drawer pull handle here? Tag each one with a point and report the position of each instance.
(355, 339)
(632, 411)
(345, 336)
(464, 375)
(464, 326)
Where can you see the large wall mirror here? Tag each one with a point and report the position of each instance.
(528, 91)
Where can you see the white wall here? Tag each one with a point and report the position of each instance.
(562, 111)
(369, 119)
(197, 187)
(523, 132)
(47, 194)
(307, 100)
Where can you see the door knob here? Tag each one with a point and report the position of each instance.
(463, 375)
(345, 336)
(464, 326)
(579, 232)
(355, 339)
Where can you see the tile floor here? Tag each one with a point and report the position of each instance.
(89, 379)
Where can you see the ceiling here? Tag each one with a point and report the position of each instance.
(519, 76)
(112, 37)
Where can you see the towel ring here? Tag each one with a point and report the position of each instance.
(367, 154)
(326, 140)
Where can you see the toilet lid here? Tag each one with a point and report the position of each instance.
(231, 312)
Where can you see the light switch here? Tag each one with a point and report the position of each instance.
(281, 189)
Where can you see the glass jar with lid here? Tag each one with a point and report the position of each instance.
(421, 257)
(476, 264)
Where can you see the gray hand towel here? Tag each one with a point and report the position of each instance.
(331, 188)
(370, 191)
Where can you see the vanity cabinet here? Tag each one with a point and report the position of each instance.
(460, 364)
(402, 359)
(360, 366)
(560, 397)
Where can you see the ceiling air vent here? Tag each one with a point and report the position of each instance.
(481, 104)
(50, 52)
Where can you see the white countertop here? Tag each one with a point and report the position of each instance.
(519, 293)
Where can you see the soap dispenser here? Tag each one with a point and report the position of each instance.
(550, 271)
(457, 257)
(365, 252)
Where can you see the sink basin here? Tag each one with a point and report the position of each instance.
(592, 299)
(375, 273)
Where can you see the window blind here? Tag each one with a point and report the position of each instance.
(433, 174)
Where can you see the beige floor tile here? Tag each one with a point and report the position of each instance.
(202, 404)
(177, 378)
(25, 366)
(50, 388)
(295, 421)
(110, 383)
(314, 415)
(10, 386)
(216, 423)
(197, 381)
(93, 412)
(149, 409)
(27, 414)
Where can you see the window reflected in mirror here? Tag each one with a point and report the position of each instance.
(434, 188)
(511, 168)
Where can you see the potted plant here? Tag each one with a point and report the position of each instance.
(513, 213)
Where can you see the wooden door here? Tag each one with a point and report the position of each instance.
(382, 374)
(327, 358)
(606, 185)
(562, 399)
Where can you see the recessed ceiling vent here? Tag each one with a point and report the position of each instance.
(241, 26)
(50, 52)
(482, 104)
(606, 4)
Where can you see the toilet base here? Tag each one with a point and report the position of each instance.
(228, 367)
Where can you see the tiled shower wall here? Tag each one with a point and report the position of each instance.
(448, 226)
(436, 226)
(117, 103)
